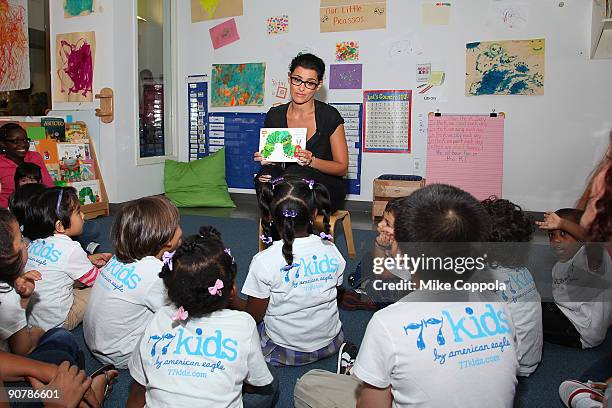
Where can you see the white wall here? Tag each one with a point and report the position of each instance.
(114, 22)
(551, 141)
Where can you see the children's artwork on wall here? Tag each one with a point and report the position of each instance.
(224, 33)
(278, 92)
(238, 84)
(14, 46)
(348, 15)
(345, 76)
(278, 24)
(75, 56)
(281, 144)
(509, 14)
(435, 12)
(75, 8)
(347, 51)
(513, 67)
(88, 191)
(203, 10)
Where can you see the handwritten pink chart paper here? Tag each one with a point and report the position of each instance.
(224, 34)
(466, 151)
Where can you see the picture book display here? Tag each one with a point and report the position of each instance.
(281, 144)
(55, 128)
(88, 191)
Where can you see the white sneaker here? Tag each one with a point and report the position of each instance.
(576, 394)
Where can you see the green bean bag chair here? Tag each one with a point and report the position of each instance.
(200, 183)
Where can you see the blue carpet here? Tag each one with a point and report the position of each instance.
(539, 390)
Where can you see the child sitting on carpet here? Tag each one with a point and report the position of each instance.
(291, 286)
(129, 290)
(27, 173)
(54, 218)
(512, 229)
(21, 200)
(196, 352)
(582, 311)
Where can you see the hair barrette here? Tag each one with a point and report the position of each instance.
(310, 183)
(229, 252)
(180, 314)
(216, 288)
(276, 181)
(266, 240)
(167, 258)
(289, 267)
(323, 235)
(289, 213)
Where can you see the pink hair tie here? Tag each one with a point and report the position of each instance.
(180, 314)
(216, 289)
(167, 258)
(325, 236)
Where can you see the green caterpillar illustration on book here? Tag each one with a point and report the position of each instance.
(281, 145)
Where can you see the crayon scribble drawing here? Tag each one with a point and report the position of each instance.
(238, 84)
(74, 67)
(203, 10)
(75, 8)
(347, 51)
(513, 67)
(14, 46)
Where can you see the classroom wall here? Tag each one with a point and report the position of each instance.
(551, 142)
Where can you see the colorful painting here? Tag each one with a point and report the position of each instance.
(345, 76)
(75, 8)
(347, 51)
(224, 33)
(75, 56)
(14, 45)
(513, 67)
(278, 24)
(238, 84)
(204, 10)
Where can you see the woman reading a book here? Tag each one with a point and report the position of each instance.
(14, 150)
(325, 157)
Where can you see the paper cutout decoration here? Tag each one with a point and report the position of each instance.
(74, 60)
(75, 8)
(224, 33)
(466, 151)
(203, 10)
(345, 76)
(347, 51)
(278, 24)
(14, 46)
(281, 144)
(513, 67)
(435, 12)
(238, 84)
(345, 15)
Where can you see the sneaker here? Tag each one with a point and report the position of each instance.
(576, 394)
(92, 247)
(346, 358)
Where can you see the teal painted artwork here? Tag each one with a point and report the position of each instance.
(238, 84)
(74, 8)
(513, 67)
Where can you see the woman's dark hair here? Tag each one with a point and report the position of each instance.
(441, 213)
(600, 229)
(511, 226)
(196, 265)
(11, 263)
(9, 127)
(52, 205)
(142, 228)
(308, 61)
(26, 169)
(290, 203)
(20, 201)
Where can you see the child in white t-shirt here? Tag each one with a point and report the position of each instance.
(129, 290)
(196, 352)
(512, 229)
(582, 311)
(291, 286)
(53, 219)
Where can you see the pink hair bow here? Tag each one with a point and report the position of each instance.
(325, 236)
(180, 314)
(167, 258)
(216, 289)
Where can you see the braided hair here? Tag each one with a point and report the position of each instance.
(195, 267)
(290, 203)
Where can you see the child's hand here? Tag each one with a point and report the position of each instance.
(551, 221)
(100, 260)
(25, 283)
